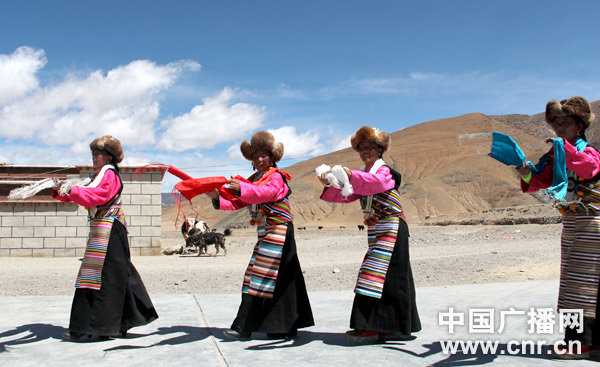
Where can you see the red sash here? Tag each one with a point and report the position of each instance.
(195, 186)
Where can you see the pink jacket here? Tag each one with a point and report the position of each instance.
(272, 190)
(364, 183)
(93, 196)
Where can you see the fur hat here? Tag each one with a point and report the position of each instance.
(110, 145)
(372, 134)
(262, 140)
(574, 106)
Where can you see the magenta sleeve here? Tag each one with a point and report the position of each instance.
(272, 190)
(225, 204)
(585, 164)
(333, 195)
(99, 195)
(64, 199)
(366, 183)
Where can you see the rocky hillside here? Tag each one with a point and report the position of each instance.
(447, 176)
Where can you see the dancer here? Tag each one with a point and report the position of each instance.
(570, 172)
(384, 305)
(274, 297)
(110, 297)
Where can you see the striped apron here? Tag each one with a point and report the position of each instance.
(580, 250)
(90, 272)
(386, 213)
(260, 278)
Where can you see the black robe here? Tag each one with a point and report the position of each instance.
(122, 301)
(396, 310)
(289, 309)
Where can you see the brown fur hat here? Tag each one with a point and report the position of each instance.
(574, 106)
(262, 140)
(110, 145)
(373, 134)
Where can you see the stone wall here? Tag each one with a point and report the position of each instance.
(49, 228)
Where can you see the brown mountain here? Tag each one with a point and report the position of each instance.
(447, 175)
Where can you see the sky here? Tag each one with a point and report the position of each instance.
(185, 82)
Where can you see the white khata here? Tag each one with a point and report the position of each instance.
(337, 178)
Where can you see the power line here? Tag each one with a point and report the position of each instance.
(242, 164)
(210, 168)
(204, 169)
(193, 168)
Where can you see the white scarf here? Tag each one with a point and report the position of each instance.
(68, 184)
(377, 165)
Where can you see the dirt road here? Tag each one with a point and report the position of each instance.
(330, 260)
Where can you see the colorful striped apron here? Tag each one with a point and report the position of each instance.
(383, 225)
(90, 272)
(580, 250)
(260, 278)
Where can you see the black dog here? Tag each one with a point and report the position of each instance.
(201, 241)
(189, 226)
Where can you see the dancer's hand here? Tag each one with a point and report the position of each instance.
(57, 183)
(324, 180)
(214, 194)
(234, 184)
(524, 170)
(348, 172)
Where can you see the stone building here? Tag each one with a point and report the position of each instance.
(45, 227)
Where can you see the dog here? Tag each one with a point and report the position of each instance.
(189, 227)
(201, 240)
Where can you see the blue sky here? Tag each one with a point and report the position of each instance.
(185, 82)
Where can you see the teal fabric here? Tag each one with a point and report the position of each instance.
(558, 190)
(505, 150)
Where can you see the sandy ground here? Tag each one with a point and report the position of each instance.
(440, 255)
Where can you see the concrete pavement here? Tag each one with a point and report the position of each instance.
(189, 332)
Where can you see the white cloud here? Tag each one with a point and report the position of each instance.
(213, 122)
(54, 124)
(40, 155)
(123, 102)
(513, 92)
(415, 82)
(422, 76)
(307, 144)
(234, 152)
(295, 145)
(288, 92)
(381, 85)
(298, 145)
(17, 73)
(340, 142)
